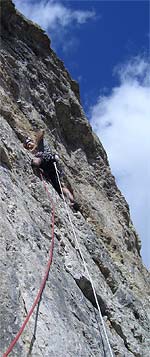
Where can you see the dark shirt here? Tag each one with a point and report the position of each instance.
(48, 159)
(43, 147)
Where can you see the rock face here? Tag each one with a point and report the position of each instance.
(37, 92)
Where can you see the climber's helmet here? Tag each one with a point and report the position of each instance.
(28, 143)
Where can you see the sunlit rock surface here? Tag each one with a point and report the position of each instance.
(36, 91)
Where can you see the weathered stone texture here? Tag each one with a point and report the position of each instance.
(37, 92)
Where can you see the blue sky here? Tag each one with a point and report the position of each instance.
(118, 31)
(111, 33)
(105, 46)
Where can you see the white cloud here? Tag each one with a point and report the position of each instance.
(56, 19)
(122, 121)
(51, 14)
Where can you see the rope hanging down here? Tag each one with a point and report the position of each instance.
(37, 299)
(85, 266)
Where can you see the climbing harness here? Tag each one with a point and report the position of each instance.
(85, 265)
(39, 295)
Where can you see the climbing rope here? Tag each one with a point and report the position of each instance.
(85, 265)
(39, 295)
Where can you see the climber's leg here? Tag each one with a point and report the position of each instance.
(54, 180)
(67, 193)
(36, 162)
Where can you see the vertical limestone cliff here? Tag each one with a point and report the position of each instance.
(37, 92)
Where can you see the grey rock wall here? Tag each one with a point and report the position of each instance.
(37, 92)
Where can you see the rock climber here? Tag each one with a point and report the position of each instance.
(44, 160)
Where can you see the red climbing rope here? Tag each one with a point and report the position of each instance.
(37, 299)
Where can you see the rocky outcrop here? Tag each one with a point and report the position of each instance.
(37, 92)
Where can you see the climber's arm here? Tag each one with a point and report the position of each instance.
(38, 138)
